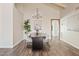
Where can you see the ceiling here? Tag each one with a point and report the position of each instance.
(71, 5)
(56, 5)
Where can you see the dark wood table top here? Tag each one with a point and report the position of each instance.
(39, 35)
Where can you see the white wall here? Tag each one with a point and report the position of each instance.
(0, 23)
(6, 29)
(70, 28)
(17, 26)
(47, 14)
(11, 25)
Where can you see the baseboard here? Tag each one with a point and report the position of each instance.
(6, 45)
(17, 43)
(71, 44)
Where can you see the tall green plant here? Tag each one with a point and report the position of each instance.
(27, 26)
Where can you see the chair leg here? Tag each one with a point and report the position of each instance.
(48, 44)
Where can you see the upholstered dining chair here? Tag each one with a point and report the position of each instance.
(46, 42)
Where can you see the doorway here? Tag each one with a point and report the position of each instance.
(55, 29)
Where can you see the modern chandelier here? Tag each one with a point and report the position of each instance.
(37, 15)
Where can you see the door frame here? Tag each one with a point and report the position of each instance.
(51, 27)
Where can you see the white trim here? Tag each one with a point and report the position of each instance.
(6, 45)
(17, 43)
(71, 44)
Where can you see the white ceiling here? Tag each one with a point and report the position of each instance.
(53, 5)
(56, 6)
(71, 5)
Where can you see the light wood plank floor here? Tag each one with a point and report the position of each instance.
(57, 48)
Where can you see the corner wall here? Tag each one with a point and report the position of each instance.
(11, 25)
(17, 26)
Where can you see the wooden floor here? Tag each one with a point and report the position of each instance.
(57, 48)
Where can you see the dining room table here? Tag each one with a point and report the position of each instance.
(37, 41)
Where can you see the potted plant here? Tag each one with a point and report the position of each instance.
(27, 27)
